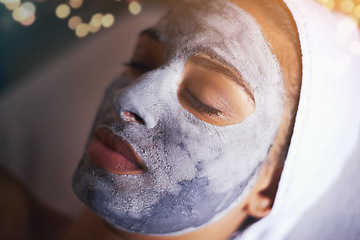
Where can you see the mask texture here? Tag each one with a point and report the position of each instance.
(197, 172)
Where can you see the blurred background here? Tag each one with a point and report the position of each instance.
(31, 32)
(56, 59)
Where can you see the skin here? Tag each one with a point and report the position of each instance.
(204, 122)
(233, 104)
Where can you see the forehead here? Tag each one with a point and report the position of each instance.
(213, 21)
(221, 30)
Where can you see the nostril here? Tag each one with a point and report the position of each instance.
(131, 117)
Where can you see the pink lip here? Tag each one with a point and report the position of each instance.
(114, 154)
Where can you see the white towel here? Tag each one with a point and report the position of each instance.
(319, 191)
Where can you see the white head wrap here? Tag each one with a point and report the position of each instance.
(318, 194)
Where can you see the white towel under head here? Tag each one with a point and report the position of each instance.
(318, 195)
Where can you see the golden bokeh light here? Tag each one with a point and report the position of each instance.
(95, 23)
(76, 3)
(108, 20)
(134, 8)
(27, 9)
(28, 21)
(12, 4)
(74, 22)
(96, 19)
(346, 6)
(330, 4)
(94, 29)
(25, 14)
(82, 30)
(16, 15)
(62, 11)
(357, 11)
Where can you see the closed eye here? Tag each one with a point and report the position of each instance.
(214, 92)
(201, 107)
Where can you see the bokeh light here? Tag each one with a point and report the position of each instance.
(28, 21)
(357, 11)
(62, 11)
(108, 20)
(96, 19)
(16, 15)
(12, 4)
(94, 29)
(76, 3)
(330, 4)
(25, 14)
(346, 6)
(349, 7)
(74, 22)
(82, 30)
(95, 23)
(27, 9)
(134, 7)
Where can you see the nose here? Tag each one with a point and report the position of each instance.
(134, 105)
(128, 116)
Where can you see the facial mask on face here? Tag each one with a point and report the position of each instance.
(196, 172)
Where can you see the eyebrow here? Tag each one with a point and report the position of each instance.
(152, 33)
(216, 66)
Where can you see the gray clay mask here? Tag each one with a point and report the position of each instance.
(196, 172)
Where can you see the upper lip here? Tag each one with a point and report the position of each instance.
(120, 146)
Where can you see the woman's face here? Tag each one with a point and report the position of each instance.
(181, 133)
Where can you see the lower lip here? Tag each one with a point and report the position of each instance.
(111, 160)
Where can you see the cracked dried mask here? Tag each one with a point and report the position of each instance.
(198, 168)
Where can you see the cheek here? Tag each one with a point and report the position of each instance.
(204, 147)
(226, 156)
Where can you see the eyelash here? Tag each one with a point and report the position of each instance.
(203, 107)
(207, 110)
(138, 66)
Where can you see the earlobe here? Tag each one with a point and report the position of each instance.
(258, 206)
(261, 198)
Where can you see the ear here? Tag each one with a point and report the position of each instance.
(260, 200)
